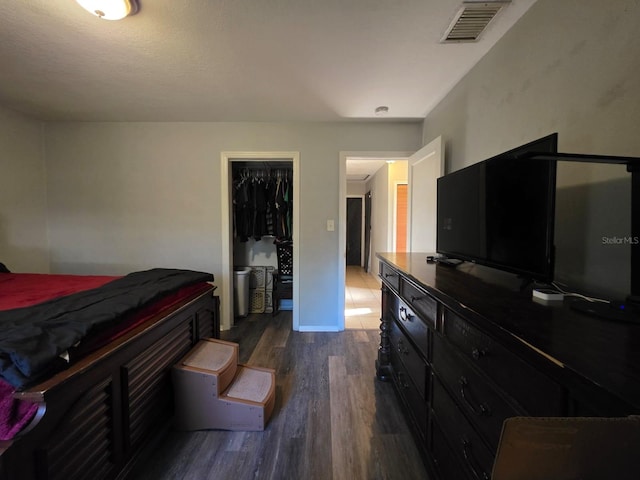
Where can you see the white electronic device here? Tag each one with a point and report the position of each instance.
(548, 294)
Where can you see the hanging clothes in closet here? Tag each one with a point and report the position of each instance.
(262, 203)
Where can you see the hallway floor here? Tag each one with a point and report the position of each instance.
(362, 300)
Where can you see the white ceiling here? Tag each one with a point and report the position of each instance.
(235, 60)
(362, 169)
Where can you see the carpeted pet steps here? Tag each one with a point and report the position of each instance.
(213, 392)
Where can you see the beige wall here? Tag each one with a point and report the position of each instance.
(356, 188)
(128, 196)
(23, 222)
(570, 67)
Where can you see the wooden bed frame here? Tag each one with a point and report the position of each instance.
(95, 417)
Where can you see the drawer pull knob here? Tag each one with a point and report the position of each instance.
(482, 409)
(401, 348)
(405, 316)
(476, 470)
(476, 353)
(403, 383)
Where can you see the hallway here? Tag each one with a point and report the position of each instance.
(362, 300)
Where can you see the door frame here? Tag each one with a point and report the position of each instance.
(361, 197)
(226, 284)
(342, 216)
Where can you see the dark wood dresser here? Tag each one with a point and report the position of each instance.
(466, 350)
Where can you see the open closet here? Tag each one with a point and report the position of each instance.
(262, 217)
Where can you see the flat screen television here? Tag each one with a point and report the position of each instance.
(500, 212)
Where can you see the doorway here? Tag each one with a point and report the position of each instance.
(225, 283)
(368, 248)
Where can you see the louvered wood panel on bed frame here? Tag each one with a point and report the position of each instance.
(98, 415)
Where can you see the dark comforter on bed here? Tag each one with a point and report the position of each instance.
(33, 338)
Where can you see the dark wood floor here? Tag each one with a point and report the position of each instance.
(332, 419)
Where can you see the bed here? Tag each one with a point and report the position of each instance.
(95, 396)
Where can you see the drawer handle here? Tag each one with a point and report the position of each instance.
(471, 461)
(415, 299)
(477, 353)
(482, 409)
(405, 316)
(387, 275)
(403, 383)
(401, 349)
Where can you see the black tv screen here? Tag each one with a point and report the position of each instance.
(500, 212)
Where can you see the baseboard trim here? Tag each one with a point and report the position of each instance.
(318, 328)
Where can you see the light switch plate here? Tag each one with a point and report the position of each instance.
(330, 226)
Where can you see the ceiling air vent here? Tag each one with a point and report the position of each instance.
(471, 20)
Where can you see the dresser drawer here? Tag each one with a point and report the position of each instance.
(537, 393)
(390, 276)
(471, 451)
(447, 464)
(417, 407)
(485, 406)
(421, 302)
(412, 361)
(415, 327)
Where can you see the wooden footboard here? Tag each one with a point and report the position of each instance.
(95, 417)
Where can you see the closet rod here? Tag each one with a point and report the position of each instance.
(284, 165)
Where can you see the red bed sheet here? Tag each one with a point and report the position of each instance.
(25, 289)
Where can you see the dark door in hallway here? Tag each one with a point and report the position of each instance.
(367, 230)
(354, 231)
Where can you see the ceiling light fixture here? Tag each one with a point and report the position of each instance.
(110, 9)
(382, 110)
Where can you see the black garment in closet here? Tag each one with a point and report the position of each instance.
(262, 203)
